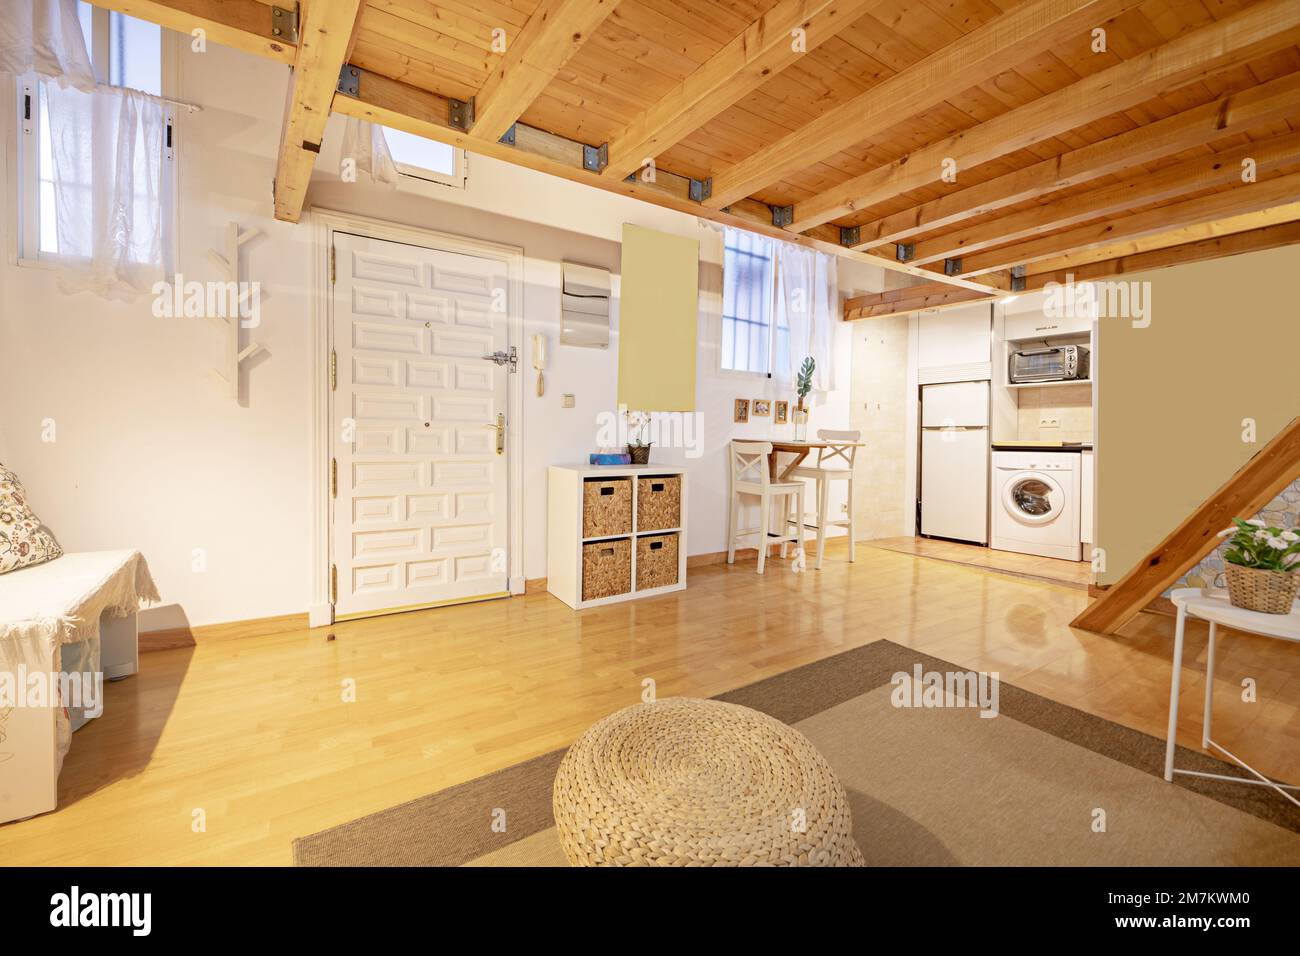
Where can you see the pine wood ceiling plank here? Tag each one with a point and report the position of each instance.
(325, 36)
(983, 53)
(449, 79)
(1230, 115)
(553, 34)
(764, 49)
(1243, 198)
(472, 26)
(1168, 182)
(433, 46)
(1268, 25)
(926, 295)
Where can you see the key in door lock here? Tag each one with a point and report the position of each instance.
(510, 358)
(500, 426)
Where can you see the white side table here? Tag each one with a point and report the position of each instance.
(1213, 606)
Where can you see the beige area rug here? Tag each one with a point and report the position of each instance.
(928, 786)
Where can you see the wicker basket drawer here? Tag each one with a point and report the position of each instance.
(606, 507)
(659, 502)
(656, 561)
(606, 568)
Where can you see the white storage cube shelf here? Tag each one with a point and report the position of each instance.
(564, 537)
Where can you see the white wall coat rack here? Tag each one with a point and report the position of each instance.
(236, 296)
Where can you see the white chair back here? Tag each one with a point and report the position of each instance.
(749, 463)
(840, 444)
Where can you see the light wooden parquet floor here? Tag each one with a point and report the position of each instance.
(256, 734)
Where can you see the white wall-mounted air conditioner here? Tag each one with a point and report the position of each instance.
(585, 307)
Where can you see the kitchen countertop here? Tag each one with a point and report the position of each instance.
(1033, 445)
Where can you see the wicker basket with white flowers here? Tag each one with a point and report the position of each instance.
(1261, 565)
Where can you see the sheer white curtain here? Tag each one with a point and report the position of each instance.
(807, 297)
(112, 200)
(364, 144)
(112, 188)
(44, 37)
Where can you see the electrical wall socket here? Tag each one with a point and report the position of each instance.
(1047, 421)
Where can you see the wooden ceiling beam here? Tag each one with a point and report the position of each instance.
(1216, 247)
(750, 59)
(326, 33)
(925, 295)
(1248, 197)
(1257, 30)
(247, 25)
(978, 56)
(1193, 175)
(401, 106)
(1174, 237)
(1226, 116)
(556, 31)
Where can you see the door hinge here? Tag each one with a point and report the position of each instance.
(334, 370)
(334, 477)
(334, 584)
(332, 257)
(509, 359)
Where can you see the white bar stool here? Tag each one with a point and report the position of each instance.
(834, 463)
(751, 475)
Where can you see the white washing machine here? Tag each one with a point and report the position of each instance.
(1035, 503)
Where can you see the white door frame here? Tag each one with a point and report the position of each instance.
(326, 222)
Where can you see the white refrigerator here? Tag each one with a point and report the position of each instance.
(955, 461)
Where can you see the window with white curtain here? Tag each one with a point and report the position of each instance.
(752, 341)
(426, 159)
(125, 52)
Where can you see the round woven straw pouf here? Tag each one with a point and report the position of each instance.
(686, 782)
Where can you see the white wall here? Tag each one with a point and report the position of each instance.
(150, 454)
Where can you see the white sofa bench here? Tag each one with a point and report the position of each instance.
(75, 614)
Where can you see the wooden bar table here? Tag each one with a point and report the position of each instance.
(800, 450)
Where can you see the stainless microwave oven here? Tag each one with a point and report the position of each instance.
(1051, 363)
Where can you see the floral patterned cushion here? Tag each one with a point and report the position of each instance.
(23, 541)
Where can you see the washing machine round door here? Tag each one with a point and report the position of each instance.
(1033, 498)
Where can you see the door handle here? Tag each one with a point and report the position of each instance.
(500, 426)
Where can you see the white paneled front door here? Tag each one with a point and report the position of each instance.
(419, 513)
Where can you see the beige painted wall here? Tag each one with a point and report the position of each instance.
(1221, 347)
(878, 403)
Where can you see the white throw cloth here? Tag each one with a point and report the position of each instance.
(44, 37)
(365, 145)
(113, 208)
(807, 299)
(47, 606)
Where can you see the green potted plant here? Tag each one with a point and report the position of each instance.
(637, 446)
(1260, 565)
(803, 385)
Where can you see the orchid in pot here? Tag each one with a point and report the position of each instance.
(637, 446)
(1261, 566)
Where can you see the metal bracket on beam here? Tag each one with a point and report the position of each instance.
(782, 216)
(595, 158)
(701, 189)
(952, 267)
(349, 81)
(1017, 278)
(508, 137)
(850, 235)
(284, 23)
(460, 114)
(904, 251)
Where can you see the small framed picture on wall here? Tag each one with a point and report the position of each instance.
(782, 413)
(742, 410)
(762, 408)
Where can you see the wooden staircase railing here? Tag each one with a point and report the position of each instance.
(1255, 484)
